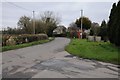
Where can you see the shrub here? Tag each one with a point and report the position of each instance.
(68, 34)
(24, 38)
(11, 41)
(42, 36)
(73, 34)
(84, 35)
(4, 39)
(30, 38)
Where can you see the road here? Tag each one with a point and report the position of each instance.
(50, 60)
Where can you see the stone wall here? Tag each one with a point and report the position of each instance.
(93, 38)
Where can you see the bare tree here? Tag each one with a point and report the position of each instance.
(96, 29)
(49, 16)
(50, 21)
(73, 29)
(72, 25)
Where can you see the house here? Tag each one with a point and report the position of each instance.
(59, 31)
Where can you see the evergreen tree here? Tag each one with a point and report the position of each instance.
(114, 24)
(86, 23)
(111, 30)
(103, 31)
(117, 33)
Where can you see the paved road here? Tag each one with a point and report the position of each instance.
(50, 60)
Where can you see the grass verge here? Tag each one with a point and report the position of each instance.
(6, 48)
(102, 51)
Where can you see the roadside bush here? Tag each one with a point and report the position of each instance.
(84, 35)
(24, 38)
(42, 36)
(30, 38)
(68, 34)
(11, 41)
(73, 35)
(4, 39)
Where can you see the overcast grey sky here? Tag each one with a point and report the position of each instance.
(68, 11)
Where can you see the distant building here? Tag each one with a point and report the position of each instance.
(59, 30)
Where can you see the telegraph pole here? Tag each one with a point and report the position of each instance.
(81, 22)
(33, 22)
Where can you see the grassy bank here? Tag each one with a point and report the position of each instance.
(103, 51)
(6, 48)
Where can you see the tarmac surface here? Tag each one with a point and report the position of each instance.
(50, 60)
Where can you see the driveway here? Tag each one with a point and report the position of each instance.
(50, 60)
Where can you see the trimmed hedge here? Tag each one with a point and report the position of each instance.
(24, 38)
(30, 38)
(4, 39)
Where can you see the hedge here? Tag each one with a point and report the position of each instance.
(24, 38)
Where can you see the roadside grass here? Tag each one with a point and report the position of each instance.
(6, 48)
(102, 51)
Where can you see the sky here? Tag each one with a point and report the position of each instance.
(67, 11)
